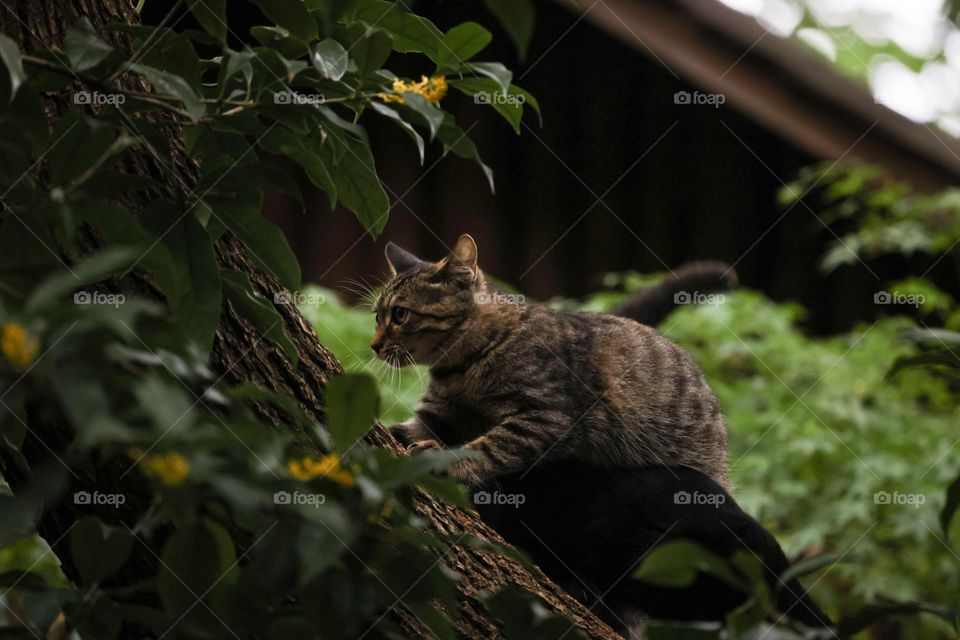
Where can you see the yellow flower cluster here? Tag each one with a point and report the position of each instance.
(433, 89)
(171, 468)
(325, 467)
(18, 346)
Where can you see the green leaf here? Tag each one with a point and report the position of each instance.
(358, 186)
(411, 33)
(394, 115)
(292, 16)
(212, 16)
(192, 563)
(98, 550)
(76, 144)
(266, 243)
(13, 63)
(258, 310)
(174, 53)
(951, 504)
(27, 119)
(164, 402)
(809, 565)
(261, 177)
(676, 564)
(427, 114)
(282, 141)
(487, 91)
(330, 59)
(495, 71)
(184, 264)
(462, 43)
(371, 51)
(94, 269)
(173, 85)
(517, 17)
(352, 404)
(455, 139)
(874, 613)
(83, 46)
(528, 99)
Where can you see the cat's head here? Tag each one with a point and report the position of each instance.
(423, 307)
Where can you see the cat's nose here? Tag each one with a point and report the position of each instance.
(377, 347)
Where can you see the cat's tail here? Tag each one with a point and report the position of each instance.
(685, 285)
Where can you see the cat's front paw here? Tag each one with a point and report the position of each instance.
(423, 445)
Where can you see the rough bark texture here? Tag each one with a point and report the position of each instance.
(241, 354)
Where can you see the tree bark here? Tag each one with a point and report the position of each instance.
(240, 354)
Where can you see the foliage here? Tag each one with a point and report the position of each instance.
(110, 295)
(887, 215)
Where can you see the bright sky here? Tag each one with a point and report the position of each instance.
(917, 26)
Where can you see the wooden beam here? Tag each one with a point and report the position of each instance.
(779, 83)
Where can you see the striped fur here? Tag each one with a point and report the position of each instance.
(523, 384)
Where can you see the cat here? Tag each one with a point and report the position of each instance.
(588, 528)
(518, 384)
(651, 306)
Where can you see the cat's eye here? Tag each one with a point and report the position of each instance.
(399, 314)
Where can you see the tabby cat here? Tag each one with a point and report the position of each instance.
(518, 384)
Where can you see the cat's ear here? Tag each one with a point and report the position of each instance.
(462, 261)
(400, 260)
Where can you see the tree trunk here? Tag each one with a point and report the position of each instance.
(241, 355)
